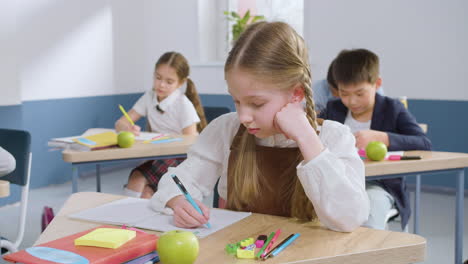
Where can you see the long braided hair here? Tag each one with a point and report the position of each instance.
(274, 52)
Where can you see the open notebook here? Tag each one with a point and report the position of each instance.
(136, 212)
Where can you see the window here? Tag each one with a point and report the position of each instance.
(215, 30)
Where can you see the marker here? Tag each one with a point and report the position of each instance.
(398, 157)
(282, 246)
(278, 232)
(126, 115)
(272, 234)
(277, 246)
(188, 196)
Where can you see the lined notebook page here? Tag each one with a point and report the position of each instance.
(136, 212)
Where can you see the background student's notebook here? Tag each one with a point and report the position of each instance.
(55, 251)
(96, 141)
(136, 212)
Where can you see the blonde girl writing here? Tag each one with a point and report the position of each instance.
(269, 157)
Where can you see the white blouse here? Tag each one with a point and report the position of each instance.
(179, 112)
(334, 181)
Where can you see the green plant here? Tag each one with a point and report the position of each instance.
(241, 23)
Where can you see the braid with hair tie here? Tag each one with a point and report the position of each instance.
(310, 105)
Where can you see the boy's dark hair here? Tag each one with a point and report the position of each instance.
(355, 66)
(330, 79)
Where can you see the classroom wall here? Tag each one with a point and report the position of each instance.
(80, 58)
(421, 43)
(9, 94)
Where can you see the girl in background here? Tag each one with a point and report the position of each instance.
(169, 111)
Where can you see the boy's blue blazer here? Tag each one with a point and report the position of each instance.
(404, 134)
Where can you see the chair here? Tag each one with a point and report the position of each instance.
(18, 143)
(392, 215)
(212, 112)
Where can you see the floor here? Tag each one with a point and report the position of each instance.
(437, 214)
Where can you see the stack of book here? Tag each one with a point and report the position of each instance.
(86, 143)
(137, 250)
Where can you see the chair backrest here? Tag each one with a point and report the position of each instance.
(18, 143)
(212, 112)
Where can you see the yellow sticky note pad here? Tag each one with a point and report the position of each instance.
(106, 238)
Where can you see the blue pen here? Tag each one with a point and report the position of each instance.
(188, 196)
(284, 245)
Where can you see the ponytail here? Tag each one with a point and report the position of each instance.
(192, 95)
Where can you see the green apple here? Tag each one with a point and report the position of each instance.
(125, 139)
(376, 150)
(177, 247)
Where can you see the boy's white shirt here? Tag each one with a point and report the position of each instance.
(354, 125)
(334, 181)
(179, 112)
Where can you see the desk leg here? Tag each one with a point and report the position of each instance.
(417, 197)
(459, 217)
(98, 177)
(74, 178)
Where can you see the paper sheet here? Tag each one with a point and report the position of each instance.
(136, 212)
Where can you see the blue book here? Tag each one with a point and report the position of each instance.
(146, 259)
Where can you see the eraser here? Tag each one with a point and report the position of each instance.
(245, 254)
(259, 243)
(232, 248)
(246, 242)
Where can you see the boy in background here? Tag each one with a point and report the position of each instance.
(326, 90)
(373, 117)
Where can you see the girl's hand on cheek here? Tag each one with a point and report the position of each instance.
(291, 120)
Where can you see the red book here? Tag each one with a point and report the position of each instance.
(64, 249)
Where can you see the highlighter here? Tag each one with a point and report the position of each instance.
(398, 157)
(126, 115)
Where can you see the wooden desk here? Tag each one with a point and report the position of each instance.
(431, 162)
(315, 245)
(139, 151)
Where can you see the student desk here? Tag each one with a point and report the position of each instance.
(315, 245)
(431, 162)
(139, 151)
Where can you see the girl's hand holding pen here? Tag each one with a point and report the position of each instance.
(185, 215)
(135, 129)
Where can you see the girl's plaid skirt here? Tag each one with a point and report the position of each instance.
(153, 170)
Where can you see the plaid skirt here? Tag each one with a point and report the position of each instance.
(153, 170)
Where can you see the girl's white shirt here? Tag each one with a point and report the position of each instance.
(334, 181)
(179, 112)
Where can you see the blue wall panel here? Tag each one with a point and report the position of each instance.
(448, 130)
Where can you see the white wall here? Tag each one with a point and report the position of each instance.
(421, 44)
(169, 26)
(9, 82)
(128, 43)
(63, 49)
